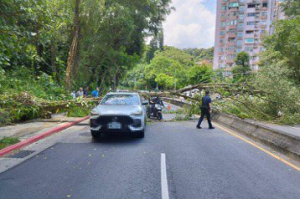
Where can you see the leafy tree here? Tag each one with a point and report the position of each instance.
(199, 74)
(242, 68)
(291, 8)
(200, 54)
(286, 41)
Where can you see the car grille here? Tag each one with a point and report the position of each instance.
(108, 119)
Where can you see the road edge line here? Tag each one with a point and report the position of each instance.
(164, 179)
(258, 147)
(36, 138)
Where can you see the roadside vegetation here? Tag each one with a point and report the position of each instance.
(7, 141)
(50, 48)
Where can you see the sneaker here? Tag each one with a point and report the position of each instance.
(198, 127)
(211, 128)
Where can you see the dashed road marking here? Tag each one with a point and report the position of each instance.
(164, 179)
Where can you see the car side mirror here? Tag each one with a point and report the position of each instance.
(145, 103)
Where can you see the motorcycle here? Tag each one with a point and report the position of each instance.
(156, 112)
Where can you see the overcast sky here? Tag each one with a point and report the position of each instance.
(192, 25)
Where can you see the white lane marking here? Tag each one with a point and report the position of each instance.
(164, 179)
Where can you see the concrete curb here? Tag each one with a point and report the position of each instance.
(31, 140)
(278, 140)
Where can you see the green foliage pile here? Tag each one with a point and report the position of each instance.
(80, 108)
(7, 141)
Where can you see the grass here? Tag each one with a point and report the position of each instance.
(7, 141)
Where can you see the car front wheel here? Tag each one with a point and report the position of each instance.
(95, 134)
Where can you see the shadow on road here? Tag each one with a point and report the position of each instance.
(118, 139)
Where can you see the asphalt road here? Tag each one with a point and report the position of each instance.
(199, 164)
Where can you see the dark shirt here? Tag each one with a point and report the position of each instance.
(85, 92)
(206, 100)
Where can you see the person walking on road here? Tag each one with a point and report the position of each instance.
(205, 111)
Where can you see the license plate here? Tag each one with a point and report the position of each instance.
(114, 125)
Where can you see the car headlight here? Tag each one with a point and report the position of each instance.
(137, 113)
(94, 114)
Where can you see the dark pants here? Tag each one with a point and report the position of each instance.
(205, 112)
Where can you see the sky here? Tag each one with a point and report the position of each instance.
(191, 25)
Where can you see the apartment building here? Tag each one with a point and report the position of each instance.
(241, 26)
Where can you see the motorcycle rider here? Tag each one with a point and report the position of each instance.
(153, 101)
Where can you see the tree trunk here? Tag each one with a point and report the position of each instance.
(73, 48)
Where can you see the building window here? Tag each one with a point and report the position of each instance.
(249, 49)
(223, 7)
(250, 23)
(265, 5)
(263, 22)
(242, 1)
(240, 34)
(239, 42)
(241, 8)
(239, 50)
(240, 25)
(223, 24)
(264, 14)
(251, 14)
(233, 22)
(233, 5)
(222, 33)
(249, 40)
(221, 49)
(250, 5)
(262, 31)
(249, 31)
(230, 57)
(241, 17)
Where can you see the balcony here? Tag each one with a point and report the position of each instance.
(263, 17)
(233, 17)
(231, 61)
(231, 35)
(232, 27)
(231, 52)
(233, 9)
(263, 26)
(231, 43)
(221, 53)
(223, 19)
(264, 9)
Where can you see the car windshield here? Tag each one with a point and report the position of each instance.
(121, 100)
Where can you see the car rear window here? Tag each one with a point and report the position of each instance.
(120, 100)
